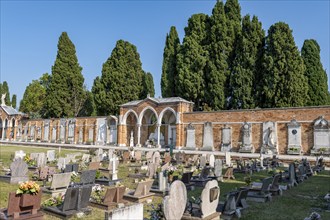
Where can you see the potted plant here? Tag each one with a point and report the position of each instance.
(29, 192)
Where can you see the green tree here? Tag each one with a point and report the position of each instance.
(169, 70)
(218, 69)
(192, 60)
(33, 99)
(284, 82)
(5, 90)
(89, 108)
(316, 75)
(121, 79)
(14, 101)
(66, 94)
(246, 66)
(147, 86)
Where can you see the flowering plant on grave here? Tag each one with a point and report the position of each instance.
(54, 201)
(28, 187)
(248, 179)
(98, 193)
(74, 176)
(29, 160)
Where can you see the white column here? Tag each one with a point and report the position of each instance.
(158, 135)
(138, 135)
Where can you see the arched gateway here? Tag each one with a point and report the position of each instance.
(152, 120)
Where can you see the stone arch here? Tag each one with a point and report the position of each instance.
(161, 115)
(126, 115)
(144, 110)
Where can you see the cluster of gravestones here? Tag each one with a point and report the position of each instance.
(120, 203)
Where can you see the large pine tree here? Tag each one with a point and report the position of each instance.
(218, 68)
(284, 82)
(121, 79)
(66, 94)
(246, 66)
(316, 75)
(169, 70)
(192, 60)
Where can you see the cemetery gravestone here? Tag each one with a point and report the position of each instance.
(156, 158)
(210, 199)
(269, 145)
(46, 130)
(19, 154)
(294, 137)
(51, 155)
(175, 203)
(202, 162)
(191, 142)
(208, 137)
(19, 171)
(226, 139)
(321, 137)
(212, 161)
(218, 169)
(246, 146)
(54, 131)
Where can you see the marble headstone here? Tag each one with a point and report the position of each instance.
(71, 130)
(175, 203)
(321, 136)
(54, 130)
(19, 171)
(19, 154)
(202, 162)
(62, 129)
(191, 141)
(50, 155)
(210, 198)
(218, 168)
(226, 139)
(246, 132)
(101, 131)
(269, 138)
(294, 137)
(228, 158)
(208, 137)
(211, 160)
(46, 130)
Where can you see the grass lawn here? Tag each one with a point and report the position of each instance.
(296, 203)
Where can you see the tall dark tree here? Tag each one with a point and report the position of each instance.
(121, 79)
(246, 66)
(66, 94)
(192, 60)
(89, 108)
(169, 70)
(33, 99)
(218, 69)
(5, 90)
(147, 86)
(284, 82)
(14, 101)
(316, 75)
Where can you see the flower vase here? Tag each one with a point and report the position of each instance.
(30, 200)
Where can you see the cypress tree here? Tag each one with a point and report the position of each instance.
(5, 89)
(246, 65)
(192, 60)
(169, 69)
(234, 28)
(147, 85)
(316, 75)
(284, 82)
(66, 94)
(89, 108)
(33, 99)
(14, 101)
(121, 79)
(218, 69)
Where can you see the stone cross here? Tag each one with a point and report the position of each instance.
(19, 154)
(114, 160)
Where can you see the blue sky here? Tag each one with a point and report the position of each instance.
(30, 31)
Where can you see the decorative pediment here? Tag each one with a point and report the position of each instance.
(321, 123)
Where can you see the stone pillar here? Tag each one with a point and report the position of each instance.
(178, 136)
(158, 136)
(138, 135)
(121, 135)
